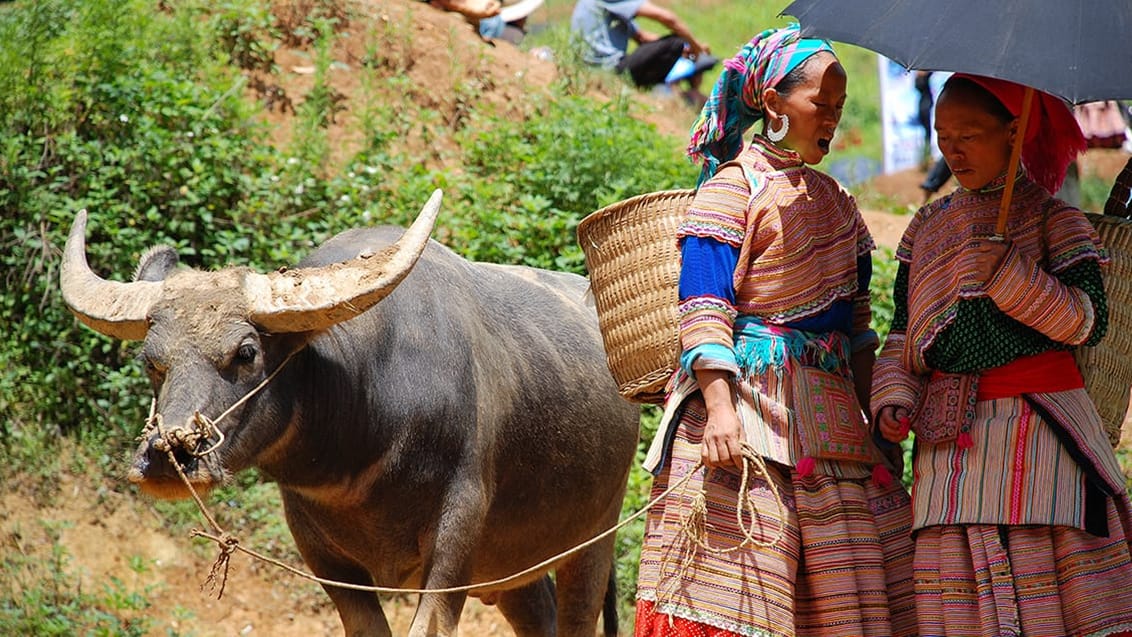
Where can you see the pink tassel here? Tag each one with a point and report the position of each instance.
(882, 477)
(806, 466)
(964, 441)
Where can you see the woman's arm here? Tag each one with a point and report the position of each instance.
(1069, 307)
(709, 255)
(895, 390)
(707, 316)
(863, 338)
(723, 433)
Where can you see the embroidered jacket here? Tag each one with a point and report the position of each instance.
(1035, 458)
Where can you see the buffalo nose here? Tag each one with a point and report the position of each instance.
(152, 458)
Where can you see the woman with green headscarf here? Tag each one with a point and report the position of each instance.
(796, 525)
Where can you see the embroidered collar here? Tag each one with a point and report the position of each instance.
(996, 184)
(778, 157)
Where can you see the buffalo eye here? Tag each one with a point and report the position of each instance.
(155, 372)
(245, 353)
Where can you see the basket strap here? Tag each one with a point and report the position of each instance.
(1118, 204)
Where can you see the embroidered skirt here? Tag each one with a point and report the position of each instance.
(1036, 581)
(978, 575)
(842, 563)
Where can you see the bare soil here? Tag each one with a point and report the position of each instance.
(111, 533)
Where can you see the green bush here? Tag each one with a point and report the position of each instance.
(101, 110)
(546, 174)
(884, 277)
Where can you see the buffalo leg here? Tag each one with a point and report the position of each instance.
(448, 557)
(360, 612)
(437, 615)
(582, 583)
(530, 609)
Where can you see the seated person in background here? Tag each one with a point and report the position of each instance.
(606, 26)
(471, 9)
(510, 24)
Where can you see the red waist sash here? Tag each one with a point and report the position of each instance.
(1048, 372)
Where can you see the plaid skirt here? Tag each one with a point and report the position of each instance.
(1036, 581)
(841, 565)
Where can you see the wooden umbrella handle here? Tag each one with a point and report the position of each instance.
(1012, 167)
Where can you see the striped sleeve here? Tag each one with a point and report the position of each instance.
(707, 304)
(719, 209)
(1033, 297)
(893, 384)
(710, 235)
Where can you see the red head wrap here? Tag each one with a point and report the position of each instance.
(1053, 138)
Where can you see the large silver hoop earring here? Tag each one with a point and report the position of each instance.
(780, 134)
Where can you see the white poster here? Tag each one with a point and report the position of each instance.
(901, 132)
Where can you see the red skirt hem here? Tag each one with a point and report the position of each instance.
(653, 624)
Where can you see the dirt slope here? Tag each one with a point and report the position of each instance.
(109, 534)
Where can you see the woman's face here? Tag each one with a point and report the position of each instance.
(814, 108)
(975, 143)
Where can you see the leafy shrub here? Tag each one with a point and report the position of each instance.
(103, 114)
(245, 31)
(884, 277)
(552, 170)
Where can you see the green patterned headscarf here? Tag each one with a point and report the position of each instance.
(735, 103)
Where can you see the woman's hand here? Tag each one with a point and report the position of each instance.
(723, 434)
(982, 257)
(894, 423)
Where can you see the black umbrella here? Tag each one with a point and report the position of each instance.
(1080, 50)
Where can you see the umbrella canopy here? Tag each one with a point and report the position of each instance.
(1080, 50)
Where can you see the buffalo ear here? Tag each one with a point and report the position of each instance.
(156, 264)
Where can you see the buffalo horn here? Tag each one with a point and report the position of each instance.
(308, 299)
(109, 307)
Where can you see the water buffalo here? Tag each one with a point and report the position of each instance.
(460, 430)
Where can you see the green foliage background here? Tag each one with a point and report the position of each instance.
(135, 111)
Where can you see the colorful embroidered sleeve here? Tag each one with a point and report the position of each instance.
(893, 384)
(710, 235)
(707, 304)
(1040, 300)
(719, 209)
(1067, 304)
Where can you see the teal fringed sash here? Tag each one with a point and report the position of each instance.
(759, 346)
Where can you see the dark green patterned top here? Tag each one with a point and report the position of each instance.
(983, 336)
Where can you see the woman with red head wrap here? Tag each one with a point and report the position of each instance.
(1021, 519)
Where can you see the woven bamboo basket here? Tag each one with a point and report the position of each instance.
(1107, 368)
(634, 266)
